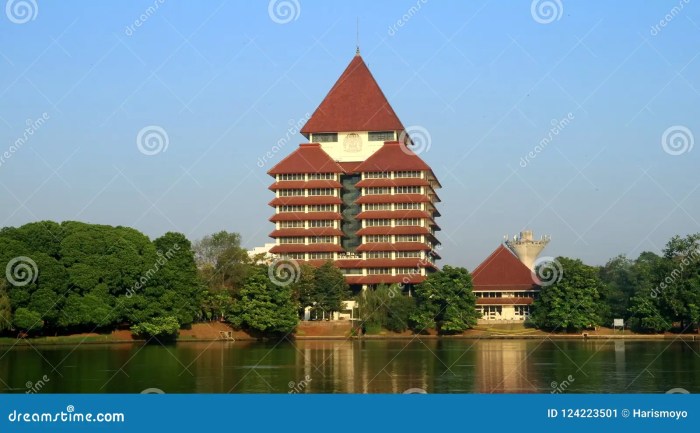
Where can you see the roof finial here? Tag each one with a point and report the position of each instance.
(357, 38)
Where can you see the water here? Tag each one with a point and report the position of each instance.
(335, 366)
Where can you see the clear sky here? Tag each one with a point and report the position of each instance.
(487, 80)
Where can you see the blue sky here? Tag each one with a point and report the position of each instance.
(487, 80)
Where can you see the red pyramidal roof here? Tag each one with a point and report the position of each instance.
(354, 103)
(393, 156)
(502, 270)
(308, 158)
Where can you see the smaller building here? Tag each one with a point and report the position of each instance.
(505, 284)
(262, 254)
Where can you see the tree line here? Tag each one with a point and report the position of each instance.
(72, 277)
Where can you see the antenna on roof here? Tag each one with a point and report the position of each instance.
(357, 37)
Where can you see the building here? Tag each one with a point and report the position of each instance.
(505, 283)
(262, 254)
(357, 194)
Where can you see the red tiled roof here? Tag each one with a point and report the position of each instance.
(299, 200)
(307, 158)
(304, 216)
(391, 157)
(301, 248)
(403, 181)
(396, 198)
(316, 231)
(349, 167)
(384, 279)
(354, 103)
(297, 184)
(397, 214)
(375, 263)
(502, 270)
(396, 246)
(504, 301)
(401, 230)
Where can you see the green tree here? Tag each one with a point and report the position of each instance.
(304, 288)
(158, 328)
(262, 306)
(572, 302)
(28, 320)
(445, 301)
(386, 307)
(330, 288)
(5, 308)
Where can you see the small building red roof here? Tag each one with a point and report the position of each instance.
(307, 158)
(502, 270)
(354, 103)
(393, 156)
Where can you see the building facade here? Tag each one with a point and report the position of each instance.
(505, 284)
(357, 194)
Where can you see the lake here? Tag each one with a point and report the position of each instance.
(370, 366)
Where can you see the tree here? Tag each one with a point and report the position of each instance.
(386, 307)
(445, 301)
(330, 288)
(28, 320)
(159, 328)
(262, 306)
(571, 302)
(5, 309)
(304, 288)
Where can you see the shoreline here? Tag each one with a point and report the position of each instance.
(74, 341)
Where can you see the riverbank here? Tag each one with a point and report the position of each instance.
(217, 331)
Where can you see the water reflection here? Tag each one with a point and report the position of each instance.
(368, 366)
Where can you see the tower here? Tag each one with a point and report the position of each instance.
(526, 248)
(354, 194)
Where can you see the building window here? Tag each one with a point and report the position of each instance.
(291, 192)
(321, 256)
(379, 254)
(292, 240)
(408, 222)
(408, 271)
(381, 136)
(321, 191)
(409, 206)
(287, 176)
(291, 208)
(409, 238)
(322, 176)
(321, 239)
(291, 224)
(376, 190)
(377, 206)
(408, 190)
(322, 208)
(377, 222)
(320, 223)
(408, 254)
(378, 271)
(292, 256)
(325, 137)
(351, 271)
(377, 238)
(376, 175)
(407, 174)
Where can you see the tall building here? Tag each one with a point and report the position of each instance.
(357, 194)
(505, 284)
